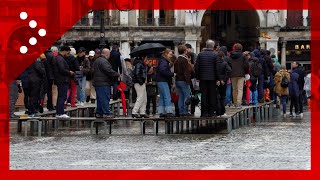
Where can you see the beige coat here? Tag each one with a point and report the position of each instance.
(280, 91)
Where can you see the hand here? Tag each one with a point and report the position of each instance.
(222, 82)
(218, 83)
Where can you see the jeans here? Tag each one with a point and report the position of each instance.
(283, 100)
(34, 96)
(103, 99)
(165, 98)
(254, 97)
(141, 102)
(208, 98)
(228, 94)
(295, 103)
(184, 93)
(14, 94)
(221, 100)
(260, 87)
(81, 90)
(62, 97)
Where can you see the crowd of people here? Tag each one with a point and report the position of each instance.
(215, 77)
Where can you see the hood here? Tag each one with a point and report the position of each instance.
(137, 60)
(256, 53)
(224, 50)
(236, 54)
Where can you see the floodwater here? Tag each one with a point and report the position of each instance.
(280, 144)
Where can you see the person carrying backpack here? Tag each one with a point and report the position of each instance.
(282, 79)
(255, 72)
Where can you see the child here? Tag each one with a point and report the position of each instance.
(151, 89)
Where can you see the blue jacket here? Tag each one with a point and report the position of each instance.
(164, 73)
(293, 85)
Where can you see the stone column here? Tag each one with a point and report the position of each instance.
(124, 18)
(156, 17)
(305, 15)
(125, 49)
(176, 44)
(283, 53)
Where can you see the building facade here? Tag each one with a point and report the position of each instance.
(281, 31)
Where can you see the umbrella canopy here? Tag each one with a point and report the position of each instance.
(148, 48)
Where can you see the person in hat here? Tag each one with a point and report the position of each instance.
(74, 67)
(84, 64)
(90, 90)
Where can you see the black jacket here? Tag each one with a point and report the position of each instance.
(115, 61)
(36, 72)
(139, 72)
(206, 65)
(85, 63)
(49, 64)
(239, 64)
(299, 70)
(164, 73)
(223, 70)
(61, 71)
(103, 74)
(268, 66)
(73, 63)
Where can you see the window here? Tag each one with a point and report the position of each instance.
(294, 18)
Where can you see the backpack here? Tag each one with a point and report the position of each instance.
(256, 69)
(284, 82)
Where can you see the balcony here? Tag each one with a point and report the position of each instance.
(146, 21)
(167, 21)
(85, 21)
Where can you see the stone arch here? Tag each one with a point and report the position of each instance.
(262, 18)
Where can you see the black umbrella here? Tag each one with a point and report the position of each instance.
(148, 48)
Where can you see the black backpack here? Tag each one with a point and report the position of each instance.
(256, 69)
(285, 82)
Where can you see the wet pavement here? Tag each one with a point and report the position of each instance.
(280, 144)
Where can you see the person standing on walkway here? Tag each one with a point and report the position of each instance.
(49, 65)
(139, 79)
(103, 78)
(282, 79)
(90, 90)
(84, 65)
(74, 67)
(36, 75)
(294, 93)
(163, 76)
(115, 61)
(183, 71)
(255, 72)
(206, 72)
(224, 71)
(240, 67)
(299, 70)
(62, 75)
(262, 76)
(151, 89)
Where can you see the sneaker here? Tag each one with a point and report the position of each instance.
(301, 115)
(63, 116)
(27, 112)
(239, 107)
(14, 117)
(108, 116)
(135, 116)
(144, 116)
(163, 115)
(290, 115)
(33, 116)
(82, 104)
(284, 115)
(224, 115)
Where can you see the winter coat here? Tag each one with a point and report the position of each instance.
(262, 60)
(36, 72)
(268, 63)
(151, 82)
(139, 72)
(164, 73)
(280, 91)
(293, 85)
(73, 63)
(49, 64)
(85, 63)
(90, 73)
(115, 61)
(223, 70)
(253, 60)
(61, 71)
(183, 69)
(25, 78)
(103, 74)
(301, 73)
(239, 64)
(206, 65)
